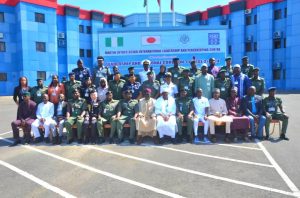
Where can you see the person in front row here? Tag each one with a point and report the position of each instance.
(25, 117)
(165, 109)
(44, 115)
(252, 107)
(199, 112)
(60, 116)
(218, 114)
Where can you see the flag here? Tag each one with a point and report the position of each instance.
(158, 1)
(145, 3)
(172, 5)
(114, 42)
(150, 40)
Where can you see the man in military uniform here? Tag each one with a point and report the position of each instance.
(81, 72)
(75, 111)
(258, 82)
(131, 71)
(247, 68)
(108, 111)
(183, 106)
(91, 117)
(271, 105)
(100, 71)
(224, 84)
(151, 84)
(37, 91)
(228, 67)
(71, 85)
(116, 86)
(86, 89)
(143, 74)
(176, 71)
(186, 82)
(125, 114)
(194, 71)
(134, 86)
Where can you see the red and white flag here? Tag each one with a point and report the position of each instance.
(150, 40)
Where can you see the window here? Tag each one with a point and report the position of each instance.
(229, 24)
(88, 29)
(229, 49)
(41, 74)
(81, 52)
(255, 46)
(40, 46)
(284, 42)
(89, 53)
(223, 22)
(277, 43)
(285, 12)
(248, 47)
(255, 19)
(81, 29)
(283, 74)
(2, 47)
(2, 17)
(248, 20)
(3, 76)
(276, 74)
(277, 14)
(39, 17)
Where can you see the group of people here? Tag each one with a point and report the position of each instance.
(155, 105)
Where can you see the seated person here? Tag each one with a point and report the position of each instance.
(60, 116)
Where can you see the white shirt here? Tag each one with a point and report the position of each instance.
(200, 105)
(101, 92)
(45, 111)
(217, 106)
(144, 77)
(172, 88)
(165, 107)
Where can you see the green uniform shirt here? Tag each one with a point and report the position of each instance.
(188, 84)
(76, 107)
(271, 105)
(228, 72)
(128, 108)
(137, 77)
(224, 86)
(108, 109)
(194, 73)
(37, 93)
(247, 70)
(183, 105)
(116, 88)
(176, 73)
(259, 84)
(70, 87)
(154, 86)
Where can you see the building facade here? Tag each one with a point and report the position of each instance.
(39, 38)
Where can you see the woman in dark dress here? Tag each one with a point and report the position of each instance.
(21, 89)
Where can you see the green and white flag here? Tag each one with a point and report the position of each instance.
(114, 42)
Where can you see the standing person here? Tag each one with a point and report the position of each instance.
(253, 108)
(194, 71)
(165, 109)
(205, 81)
(75, 112)
(20, 90)
(213, 69)
(145, 117)
(173, 90)
(60, 116)
(86, 89)
(38, 91)
(240, 121)
(133, 86)
(44, 115)
(218, 113)
(176, 70)
(55, 88)
(116, 86)
(187, 83)
(161, 75)
(125, 114)
(151, 84)
(272, 105)
(71, 85)
(131, 71)
(147, 68)
(228, 67)
(240, 80)
(199, 112)
(25, 117)
(102, 90)
(81, 72)
(258, 82)
(224, 84)
(100, 71)
(111, 76)
(183, 107)
(247, 68)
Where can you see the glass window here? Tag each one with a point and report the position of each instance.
(229, 24)
(255, 46)
(284, 42)
(2, 17)
(285, 12)
(3, 76)
(277, 14)
(89, 53)
(276, 74)
(229, 49)
(81, 52)
(255, 19)
(41, 74)
(40, 46)
(81, 29)
(277, 43)
(39, 17)
(88, 29)
(248, 47)
(2, 47)
(248, 20)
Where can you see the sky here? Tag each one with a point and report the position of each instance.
(127, 7)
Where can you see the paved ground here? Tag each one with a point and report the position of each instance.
(266, 169)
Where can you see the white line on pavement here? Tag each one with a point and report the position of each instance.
(4, 133)
(282, 174)
(269, 189)
(242, 147)
(36, 180)
(212, 156)
(123, 179)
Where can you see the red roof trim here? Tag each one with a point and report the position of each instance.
(106, 18)
(84, 14)
(218, 6)
(225, 10)
(46, 3)
(204, 15)
(60, 10)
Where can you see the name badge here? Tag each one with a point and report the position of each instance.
(86, 95)
(227, 74)
(132, 91)
(104, 111)
(80, 75)
(53, 94)
(271, 109)
(222, 88)
(99, 75)
(236, 82)
(39, 94)
(175, 75)
(186, 87)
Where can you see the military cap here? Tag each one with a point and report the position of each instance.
(245, 57)
(39, 79)
(128, 91)
(100, 58)
(168, 74)
(26, 93)
(272, 89)
(204, 65)
(183, 89)
(71, 74)
(256, 68)
(236, 66)
(150, 73)
(108, 92)
(79, 61)
(212, 59)
(130, 68)
(146, 62)
(186, 70)
(222, 70)
(228, 58)
(175, 59)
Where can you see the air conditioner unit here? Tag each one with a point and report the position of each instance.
(204, 22)
(61, 35)
(277, 35)
(249, 39)
(1, 35)
(248, 11)
(62, 43)
(277, 65)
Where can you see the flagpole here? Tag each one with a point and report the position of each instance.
(160, 14)
(173, 10)
(147, 15)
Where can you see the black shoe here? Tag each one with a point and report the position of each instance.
(235, 140)
(27, 141)
(173, 140)
(226, 139)
(179, 139)
(131, 141)
(267, 137)
(47, 140)
(188, 139)
(161, 141)
(119, 141)
(59, 140)
(101, 140)
(38, 140)
(246, 139)
(213, 139)
(283, 137)
(16, 142)
(111, 140)
(54, 140)
(69, 141)
(79, 141)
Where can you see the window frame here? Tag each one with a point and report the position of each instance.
(39, 17)
(40, 46)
